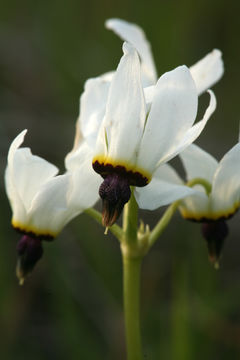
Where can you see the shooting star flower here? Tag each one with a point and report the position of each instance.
(213, 208)
(133, 141)
(205, 72)
(43, 202)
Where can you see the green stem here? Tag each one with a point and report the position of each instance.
(130, 220)
(131, 291)
(163, 222)
(200, 181)
(132, 258)
(115, 229)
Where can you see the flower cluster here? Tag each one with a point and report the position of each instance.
(131, 123)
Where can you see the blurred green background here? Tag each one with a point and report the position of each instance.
(71, 306)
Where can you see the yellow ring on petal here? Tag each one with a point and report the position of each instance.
(32, 230)
(201, 217)
(137, 176)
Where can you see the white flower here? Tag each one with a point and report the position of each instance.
(205, 72)
(211, 208)
(133, 142)
(223, 177)
(43, 203)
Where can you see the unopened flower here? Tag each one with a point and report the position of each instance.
(133, 140)
(43, 202)
(211, 208)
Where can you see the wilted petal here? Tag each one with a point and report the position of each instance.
(207, 71)
(133, 34)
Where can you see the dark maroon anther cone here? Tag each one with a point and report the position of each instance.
(115, 193)
(215, 233)
(29, 251)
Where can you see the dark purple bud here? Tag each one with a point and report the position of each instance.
(29, 251)
(115, 193)
(215, 233)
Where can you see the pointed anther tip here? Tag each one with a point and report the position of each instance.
(214, 261)
(21, 281)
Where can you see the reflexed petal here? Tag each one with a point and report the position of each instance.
(226, 183)
(16, 202)
(125, 112)
(84, 186)
(133, 34)
(27, 172)
(31, 172)
(197, 206)
(207, 71)
(149, 92)
(50, 211)
(165, 188)
(93, 106)
(173, 112)
(18, 209)
(192, 134)
(79, 155)
(198, 163)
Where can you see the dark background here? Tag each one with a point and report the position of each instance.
(71, 306)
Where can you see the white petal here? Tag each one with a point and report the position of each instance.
(85, 181)
(125, 112)
(50, 211)
(165, 188)
(198, 163)
(197, 206)
(133, 34)
(84, 187)
(93, 106)
(26, 173)
(16, 202)
(80, 154)
(30, 173)
(226, 183)
(149, 92)
(192, 134)
(173, 112)
(18, 209)
(208, 70)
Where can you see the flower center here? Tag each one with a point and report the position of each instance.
(115, 193)
(135, 178)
